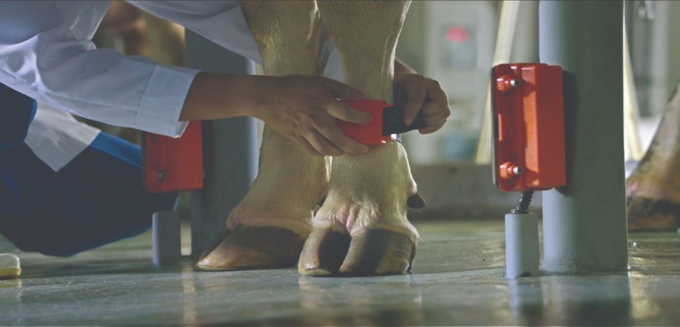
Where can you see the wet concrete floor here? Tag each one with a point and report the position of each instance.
(457, 280)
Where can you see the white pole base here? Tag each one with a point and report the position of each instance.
(521, 245)
(167, 245)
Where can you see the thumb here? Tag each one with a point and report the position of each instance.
(341, 90)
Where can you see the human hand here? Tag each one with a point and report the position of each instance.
(419, 94)
(304, 109)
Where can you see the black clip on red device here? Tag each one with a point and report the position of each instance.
(388, 121)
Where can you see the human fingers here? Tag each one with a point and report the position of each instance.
(416, 92)
(320, 144)
(341, 90)
(336, 137)
(345, 112)
(308, 147)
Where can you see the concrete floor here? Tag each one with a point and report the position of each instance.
(457, 280)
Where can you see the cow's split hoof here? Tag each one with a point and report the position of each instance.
(373, 252)
(379, 252)
(254, 248)
(323, 253)
(646, 214)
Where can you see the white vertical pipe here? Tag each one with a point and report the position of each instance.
(166, 238)
(584, 223)
(521, 245)
(504, 42)
(229, 150)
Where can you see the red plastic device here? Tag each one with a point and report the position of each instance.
(528, 113)
(174, 164)
(372, 132)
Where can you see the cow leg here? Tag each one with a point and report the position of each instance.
(362, 228)
(653, 190)
(268, 228)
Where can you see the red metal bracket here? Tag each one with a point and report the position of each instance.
(528, 114)
(173, 164)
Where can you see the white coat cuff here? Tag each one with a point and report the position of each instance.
(163, 100)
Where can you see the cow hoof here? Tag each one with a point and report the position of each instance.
(368, 253)
(323, 252)
(645, 214)
(247, 248)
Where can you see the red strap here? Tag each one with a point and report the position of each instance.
(370, 133)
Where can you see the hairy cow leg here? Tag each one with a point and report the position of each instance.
(362, 228)
(269, 227)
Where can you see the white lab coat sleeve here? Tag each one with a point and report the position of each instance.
(221, 22)
(41, 57)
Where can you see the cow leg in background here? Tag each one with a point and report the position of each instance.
(362, 226)
(653, 190)
(268, 228)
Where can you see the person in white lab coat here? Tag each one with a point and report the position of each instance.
(66, 187)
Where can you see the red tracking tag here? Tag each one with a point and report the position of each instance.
(371, 132)
(528, 112)
(173, 164)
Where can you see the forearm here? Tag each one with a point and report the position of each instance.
(217, 96)
(104, 86)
